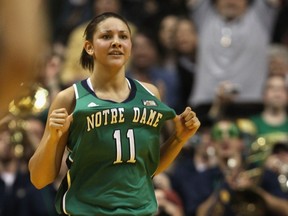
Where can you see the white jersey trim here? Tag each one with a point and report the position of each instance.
(76, 91)
(89, 83)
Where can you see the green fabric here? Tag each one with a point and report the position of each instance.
(114, 152)
(263, 128)
(219, 134)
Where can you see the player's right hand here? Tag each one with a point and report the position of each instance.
(59, 122)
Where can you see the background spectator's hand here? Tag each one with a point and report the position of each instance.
(226, 91)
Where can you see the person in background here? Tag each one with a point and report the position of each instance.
(272, 116)
(42, 202)
(111, 126)
(186, 42)
(25, 136)
(272, 123)
(235, 183)
(67, 16)
(234, 40)
(278, 60)
(166, 42)
(189, 174)
(169, 202)
(14, 180)
(277, 161)
(144, 66)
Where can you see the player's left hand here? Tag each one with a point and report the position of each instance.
(186, 124)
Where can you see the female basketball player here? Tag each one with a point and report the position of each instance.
(111, 126)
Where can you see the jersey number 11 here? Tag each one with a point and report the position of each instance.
(130, 137)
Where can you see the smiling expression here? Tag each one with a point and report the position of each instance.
(111, 45)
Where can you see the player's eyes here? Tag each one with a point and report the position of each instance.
(124, 37)
(106, 36)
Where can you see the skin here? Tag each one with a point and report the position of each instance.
(23, 35)
(111, 49)
(166, 32)
(231, 9)
(276, 94)
(185, 37)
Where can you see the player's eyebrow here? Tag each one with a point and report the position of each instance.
(110, 31)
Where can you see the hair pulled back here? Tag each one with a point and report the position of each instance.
(86, 60)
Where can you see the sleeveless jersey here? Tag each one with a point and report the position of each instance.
(114, 152)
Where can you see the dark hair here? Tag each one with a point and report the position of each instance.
(86, 60)
(280, 146)
(248, 1)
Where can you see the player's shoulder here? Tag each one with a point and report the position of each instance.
(152, 88)
(66, 94)
(65, 99)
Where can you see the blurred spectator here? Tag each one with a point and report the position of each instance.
(13, 180)
(168, 56)
(148, 14)
(278, 163)
(233, 46)
(144, 66)
(235, 187)
(278, 60)
(72, 14)
(223, 103)
(42, 202)
(186, 42)
(49, 76)
(188, 174)
(225, 95)
(27, 132)
(138, 11)
(166, 42)
(19, 137)
(272, 122)
(177, 39)
(33, 129)
(169, 203)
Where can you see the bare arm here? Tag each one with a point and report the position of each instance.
(45, 164)
(204, 208)
(277, 205)
(186, 125)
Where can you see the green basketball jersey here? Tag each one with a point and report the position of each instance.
(114, 151)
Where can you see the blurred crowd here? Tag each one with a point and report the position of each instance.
(226, 59)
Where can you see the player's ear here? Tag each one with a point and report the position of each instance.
(89, 47)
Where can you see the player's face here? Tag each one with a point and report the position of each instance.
(112, 43)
